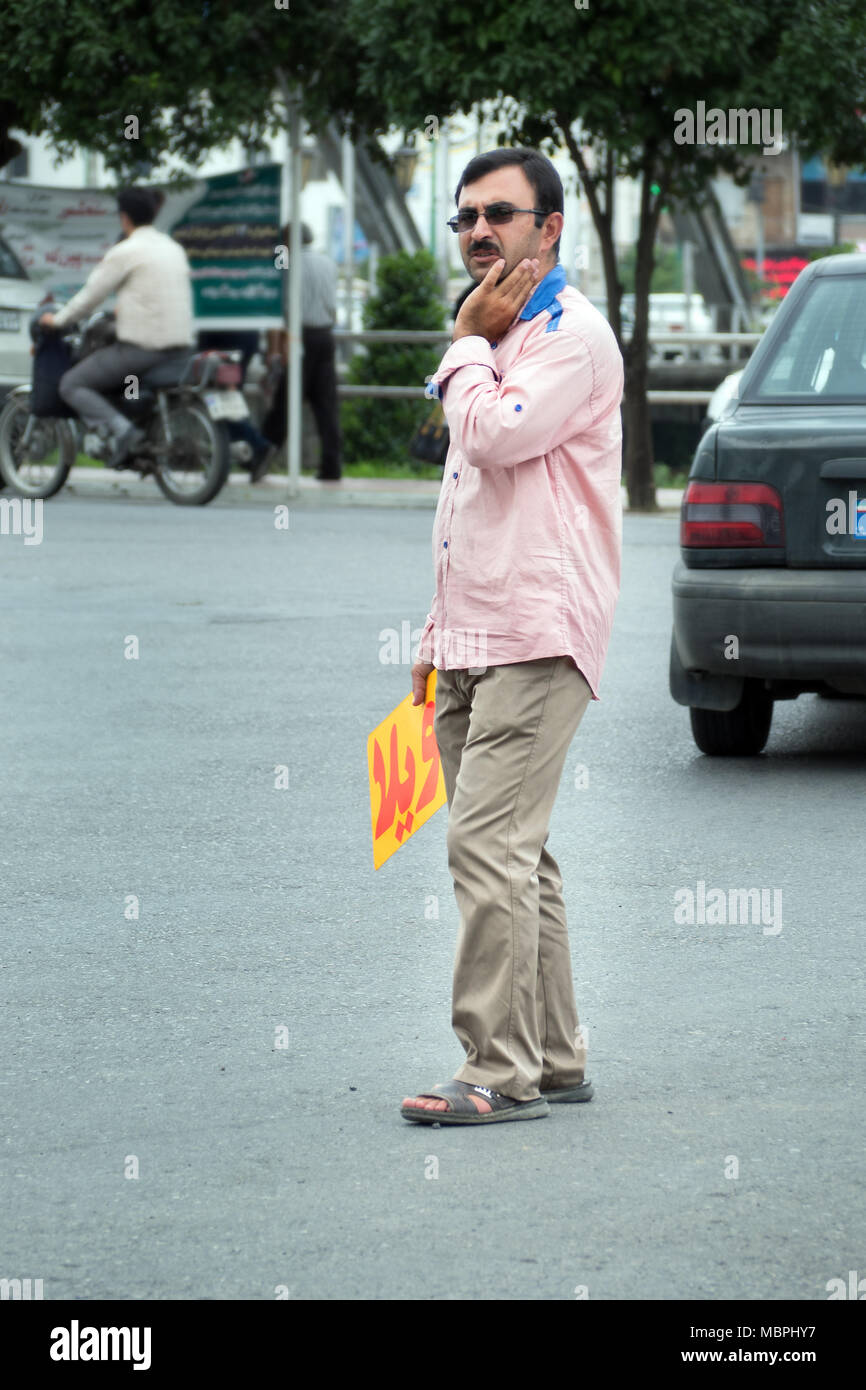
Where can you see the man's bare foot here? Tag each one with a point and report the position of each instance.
(462, 1103)
(425, 1103)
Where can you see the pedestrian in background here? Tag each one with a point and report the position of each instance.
(319, 372)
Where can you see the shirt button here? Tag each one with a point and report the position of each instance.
(453, 475)
(494, 345)
(518, 407)
(445, 543)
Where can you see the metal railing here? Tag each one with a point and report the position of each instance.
(427, 335)
(394, 335)
(723, 339)
(437, 335)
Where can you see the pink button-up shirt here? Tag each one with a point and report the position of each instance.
(528, 529)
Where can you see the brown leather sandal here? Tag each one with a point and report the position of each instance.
(462, 1110)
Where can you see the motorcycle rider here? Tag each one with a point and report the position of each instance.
(149, 273)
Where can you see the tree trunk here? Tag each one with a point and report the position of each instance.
(638, 462)
(638, 451)
(10, 148)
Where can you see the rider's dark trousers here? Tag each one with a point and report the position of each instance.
(107, 369)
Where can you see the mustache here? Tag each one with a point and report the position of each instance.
(482, 246)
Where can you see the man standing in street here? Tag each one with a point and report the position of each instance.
(149, 273)
(526, 547)
(319, 370)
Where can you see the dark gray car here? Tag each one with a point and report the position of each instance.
(770, 592)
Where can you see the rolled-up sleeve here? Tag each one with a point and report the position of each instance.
(543, 400)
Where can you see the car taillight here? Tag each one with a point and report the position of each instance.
(730, 514)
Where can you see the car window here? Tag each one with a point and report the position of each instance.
(823, 354)
(10, 268)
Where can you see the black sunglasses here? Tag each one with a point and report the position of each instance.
(496, 216)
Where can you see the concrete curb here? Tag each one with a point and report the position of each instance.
(272, 491)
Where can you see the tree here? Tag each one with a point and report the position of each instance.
(606, 83)
(192, 74)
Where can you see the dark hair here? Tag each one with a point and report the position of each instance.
(544, 180)
(139, 205)
(306, 234)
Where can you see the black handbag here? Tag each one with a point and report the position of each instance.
(51, 358)
(430, 442)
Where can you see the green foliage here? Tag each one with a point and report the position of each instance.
(819, 252)
(199, 74)
(606, 83)
(196, 73)
(621, 69)
(667, 277)
(407, 296)
(664, 476)
(412, 471)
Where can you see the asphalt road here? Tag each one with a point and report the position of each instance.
(275, 1162)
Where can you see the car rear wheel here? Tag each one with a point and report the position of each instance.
(740, 732)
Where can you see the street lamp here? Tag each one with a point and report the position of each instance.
(308, 155)
(405, 160)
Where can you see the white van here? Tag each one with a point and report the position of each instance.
(19, 300)
(680, 313)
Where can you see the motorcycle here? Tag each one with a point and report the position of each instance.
(182, 404)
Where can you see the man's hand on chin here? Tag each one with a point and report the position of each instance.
(491, 308)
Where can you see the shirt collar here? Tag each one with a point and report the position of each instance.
(545, 292)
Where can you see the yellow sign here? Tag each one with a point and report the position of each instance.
(406, 781)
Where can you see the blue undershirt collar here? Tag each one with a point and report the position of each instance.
(544, 293)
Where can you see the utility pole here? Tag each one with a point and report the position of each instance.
(442, 204)
(688, 251)
(757, 195)
(294, 398)
(348, 228)
(434, 197)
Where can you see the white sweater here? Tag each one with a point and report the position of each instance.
(149, 273)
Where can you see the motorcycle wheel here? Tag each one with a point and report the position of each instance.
(41, 467)
(194, 465)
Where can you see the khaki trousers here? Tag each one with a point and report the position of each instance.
(503, 736)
